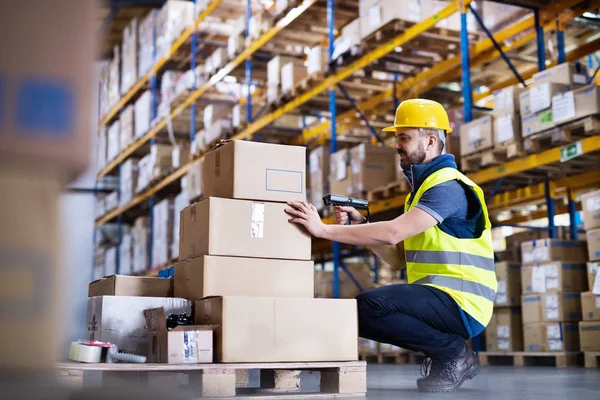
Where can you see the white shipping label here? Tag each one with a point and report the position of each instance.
(555, 345)
(553, 331)
(592, 267)
(597, 301)
(551, 283)
(361, 151)
(563, 107)
(374, 16)
(502, 286)
(503, 99)
(504, 130)
(257, 225)
(593, 204)
(503, 344)
(501, 298)
(359, 187)
(503, 331)
(551, 270)
(552, 313)
(474, 133)
(355, 166)
(596, 288)
(190, 347)
(340, 168)
(539, 98)
(581, 79)
(551, 301)
(538, 279)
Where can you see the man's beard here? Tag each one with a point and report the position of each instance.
(417, 157)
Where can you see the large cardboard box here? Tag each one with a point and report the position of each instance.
(593, 242)
(590, 306)
(589, 336)
(537, 122)
(531, 305)
(491, 334)
(477, 135)
(591, 210)
(592, 268)
(533, 336)
(545, 250)
(571, 74)
(508, 330)
(506, 101)
(379, 13)
(509, 284)
(552, 277)
(162, 232)
(551, 336)
(274, 67)
(46, 91)
(206, 276)
(276, 329)
(256, 171)
(561, 306)
(228, 227)
(576, 104)
(362, 168)
(507, 127)
(120, 319)
(539, 98)
(122, 285)
(561, 336)
(180, 345)
(291, 74)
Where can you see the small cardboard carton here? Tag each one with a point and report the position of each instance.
(122, 285)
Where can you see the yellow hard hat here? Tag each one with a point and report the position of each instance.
(420, 113)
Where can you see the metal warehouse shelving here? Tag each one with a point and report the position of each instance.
(531, 179)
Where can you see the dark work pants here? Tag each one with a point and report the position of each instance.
(415, 317)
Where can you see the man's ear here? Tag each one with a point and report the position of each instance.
(432, 140)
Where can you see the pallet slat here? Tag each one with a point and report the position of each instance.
(524, 358)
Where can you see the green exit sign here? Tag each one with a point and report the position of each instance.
(571, 151)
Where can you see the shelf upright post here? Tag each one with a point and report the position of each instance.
(248, 65)
(466, 65)
(560, 41)
(541, 50)
(395, 91)
(572, 206)
(194, 51)
(337, 259)
(550, 204)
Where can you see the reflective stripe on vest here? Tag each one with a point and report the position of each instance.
(450, 257)
(460, 285)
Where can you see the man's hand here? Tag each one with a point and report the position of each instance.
(342, 213)
(306, 214)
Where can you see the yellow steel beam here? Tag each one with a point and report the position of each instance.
(195, 95)
(159, 64)
(589, 145)
(357, 65)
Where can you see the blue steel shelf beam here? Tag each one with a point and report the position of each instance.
(560, 42)
(541, 49)
(333, 145)
(572, 206)
(498, 47)
(466, 66)
(551, 205)
(372, 130)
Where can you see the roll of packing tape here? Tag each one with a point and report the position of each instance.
(84, 353)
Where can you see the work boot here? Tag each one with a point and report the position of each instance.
(449, 376)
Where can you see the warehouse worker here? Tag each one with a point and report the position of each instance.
(445, 230)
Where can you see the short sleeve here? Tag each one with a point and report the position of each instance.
(446, 200)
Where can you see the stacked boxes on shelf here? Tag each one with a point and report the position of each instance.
(362, 168)
(249, 269)
(129, 66)
(113, 146)
(154, 165)
(318, 164)
(127, 127)
(126, 253)
(142, 114)
(274, 75)
(141, 243)
(162, 232)
(553, 277)
(171, 20)
(146, 43)
(589, 328)
(507, 119)
(194, 183)
(181, 201)
(128, 180)
(114, 89)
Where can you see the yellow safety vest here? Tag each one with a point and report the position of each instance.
(463, 268)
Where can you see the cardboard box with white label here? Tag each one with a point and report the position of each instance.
(571, 74)
(539, 98)
(589, 335)
(591, 210)
(593, 242)
(243, 228)
(545, 250)
(592, 271)
(205, 276)
(560, 336)
(553, 276)
(477, 135)
(576, 104)
(505, 331)
(509, 284)
(590, 306)
(256, 171)
(531, 306)
(507, 127)
(561, 306)
(272, 329)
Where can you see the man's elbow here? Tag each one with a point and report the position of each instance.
(393, 237)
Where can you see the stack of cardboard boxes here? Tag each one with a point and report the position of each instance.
(129, 66)
(249, 269)
(274, 74)
(589, 328)
(553, 277)
(360, 169)
(141, 240)
(162, 232)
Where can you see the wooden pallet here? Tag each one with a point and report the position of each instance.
(388, 191)
(592, 359)
(562, 134)
(525, 358)
(476, 161)
(300, 87)
(337, 379)
(392, 357)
